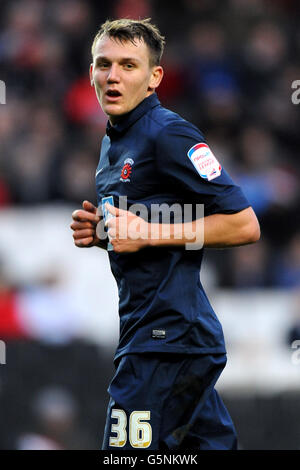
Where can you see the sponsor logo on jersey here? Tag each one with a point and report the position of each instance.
(204, 161)
(126, 170)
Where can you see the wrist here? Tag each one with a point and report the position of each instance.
(160, 234)
(146, 238)
(101, 244)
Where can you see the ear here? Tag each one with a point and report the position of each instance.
(91, 75)
(156, 77)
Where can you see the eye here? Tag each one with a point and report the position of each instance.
(129, 66)
(103, 65)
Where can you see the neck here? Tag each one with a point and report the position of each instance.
(115, 119)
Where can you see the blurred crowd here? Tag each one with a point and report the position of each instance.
(229, 68)
(53, 398)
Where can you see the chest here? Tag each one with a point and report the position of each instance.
(128, 167)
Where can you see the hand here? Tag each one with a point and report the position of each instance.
(127, 232)
(84, 226)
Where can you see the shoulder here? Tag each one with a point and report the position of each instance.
(168, 124)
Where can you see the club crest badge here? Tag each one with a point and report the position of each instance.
(126, 170)
(204, 161)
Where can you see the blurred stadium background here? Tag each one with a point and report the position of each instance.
(229, 69)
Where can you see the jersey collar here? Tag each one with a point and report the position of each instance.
(130, 118)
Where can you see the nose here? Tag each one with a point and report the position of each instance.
(113, 76)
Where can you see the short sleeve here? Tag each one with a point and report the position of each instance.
(184, 159)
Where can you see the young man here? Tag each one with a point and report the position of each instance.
(171, 349)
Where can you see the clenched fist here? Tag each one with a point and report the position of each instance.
(84, 225)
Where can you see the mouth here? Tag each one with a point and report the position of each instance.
(113, 95)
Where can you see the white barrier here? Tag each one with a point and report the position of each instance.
(36, 244)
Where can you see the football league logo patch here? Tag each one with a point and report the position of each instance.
(126, 170)
(204, 161)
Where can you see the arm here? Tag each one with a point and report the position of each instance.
(131, 233)
(225, 230)
(220, 231)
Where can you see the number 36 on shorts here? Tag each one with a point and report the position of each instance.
(139, 430)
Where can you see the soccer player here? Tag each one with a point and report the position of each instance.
(171, 349)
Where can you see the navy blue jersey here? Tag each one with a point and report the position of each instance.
(150, 157)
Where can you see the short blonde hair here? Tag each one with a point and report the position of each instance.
(126, 29)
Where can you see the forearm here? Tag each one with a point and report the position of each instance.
(214, 231)
(226, 230)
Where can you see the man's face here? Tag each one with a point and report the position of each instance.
(122, 75)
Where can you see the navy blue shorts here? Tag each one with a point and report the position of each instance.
(167, 402)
